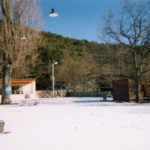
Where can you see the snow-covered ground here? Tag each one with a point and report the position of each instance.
(75, 124)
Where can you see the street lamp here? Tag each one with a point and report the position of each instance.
(53, 13)
(53, 77)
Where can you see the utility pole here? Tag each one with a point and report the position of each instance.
(53, 77)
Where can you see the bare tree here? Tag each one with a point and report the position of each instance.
(76, 72)
(131, 29)
(20, 21)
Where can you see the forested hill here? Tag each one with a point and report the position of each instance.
(82, 65)
(61, 42)
(75, 59)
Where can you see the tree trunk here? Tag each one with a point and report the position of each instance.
(6, 84)
(137, 78)
(138, 91)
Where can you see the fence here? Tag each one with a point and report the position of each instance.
(89, 94)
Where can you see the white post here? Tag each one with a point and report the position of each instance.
(53, 80)
(53, 77)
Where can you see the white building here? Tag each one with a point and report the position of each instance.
(22, 89)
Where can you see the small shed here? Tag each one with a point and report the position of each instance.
(22, 88)
(121, 90)
(146, 88)
(124, 90)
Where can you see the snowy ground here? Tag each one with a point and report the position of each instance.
(75, 124)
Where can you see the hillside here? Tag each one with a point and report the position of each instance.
(74, 57)
(82, 65)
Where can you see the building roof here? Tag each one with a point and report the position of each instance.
(20, 81)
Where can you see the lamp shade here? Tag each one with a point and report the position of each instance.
(53, 13)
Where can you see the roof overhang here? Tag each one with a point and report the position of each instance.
(20, 81)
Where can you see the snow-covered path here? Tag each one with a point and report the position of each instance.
(76, 124)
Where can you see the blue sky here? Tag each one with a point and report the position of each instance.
(77, 18)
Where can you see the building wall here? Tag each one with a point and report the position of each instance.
(29, 90)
